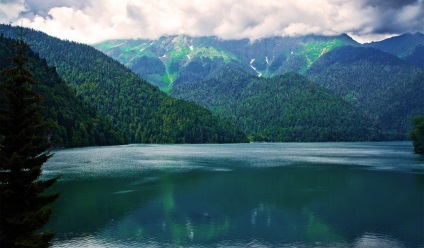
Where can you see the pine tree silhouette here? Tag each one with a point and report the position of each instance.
(23, 151)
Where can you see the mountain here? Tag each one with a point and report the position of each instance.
(400, 104)
(71, 122)
(363, 77)
(137, 108)
(417, 56)
(173, 60)
(400, 46)
(280, 108)
(375, 82)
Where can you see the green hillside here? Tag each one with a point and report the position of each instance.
(381, 85)
(401, 103)
(416, 57)
(281, 108)
(72, 123)
(400, 46)
(170, 61)
(162, 61)
(139, 110)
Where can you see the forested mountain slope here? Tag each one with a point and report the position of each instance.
(173, 60)
(400, 104)
(364, 77)
(137, 108)
(416, 57)
(281, 108)
(72, 123)
(400, 46)
(374, 82)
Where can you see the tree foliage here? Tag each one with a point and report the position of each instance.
(400, 46)
(138, 109)
(172, 60)
(417, 135)
(23, 151)
(385, 88)
(417, 57)
(71, 122)
(281, 108)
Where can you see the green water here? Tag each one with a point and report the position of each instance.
(239, 195)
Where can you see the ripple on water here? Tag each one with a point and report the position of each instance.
(145, 193)
(373, 240)
(123, 191)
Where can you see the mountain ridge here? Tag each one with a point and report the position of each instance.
(339, 64)
(283, 108)
(172, 60)
(181, 59)
(368, 78)
(137, 108)
(71, 122)
(401, 45)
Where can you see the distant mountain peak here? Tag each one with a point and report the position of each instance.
(173, 60)
(401, 46)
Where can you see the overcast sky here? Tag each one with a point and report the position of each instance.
(90, 21)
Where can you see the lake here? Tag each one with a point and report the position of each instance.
(367, 194)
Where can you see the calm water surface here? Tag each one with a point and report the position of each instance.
(239, 195)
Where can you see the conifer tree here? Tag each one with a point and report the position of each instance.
(23, 150)
(417, 135)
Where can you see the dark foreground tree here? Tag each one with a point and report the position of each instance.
(23, 151)
(417, 135)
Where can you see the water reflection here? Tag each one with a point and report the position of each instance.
(371, 240)
(279, 205)
(304, 205)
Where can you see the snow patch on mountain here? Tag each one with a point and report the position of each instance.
(254, 68)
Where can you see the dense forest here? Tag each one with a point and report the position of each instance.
(25, 205)
(71, 122)
(416, 57)
(138, 109)
(417, 135)
(173, 60)
(281, 108)
(401, 46)
(382, 80)
(354, 92)
(387, 89)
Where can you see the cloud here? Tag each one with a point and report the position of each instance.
(11, 9)
(395, 17)
(96, 20)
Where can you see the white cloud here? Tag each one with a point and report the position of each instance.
(10, 9)
(366, 38)
(96, 20)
